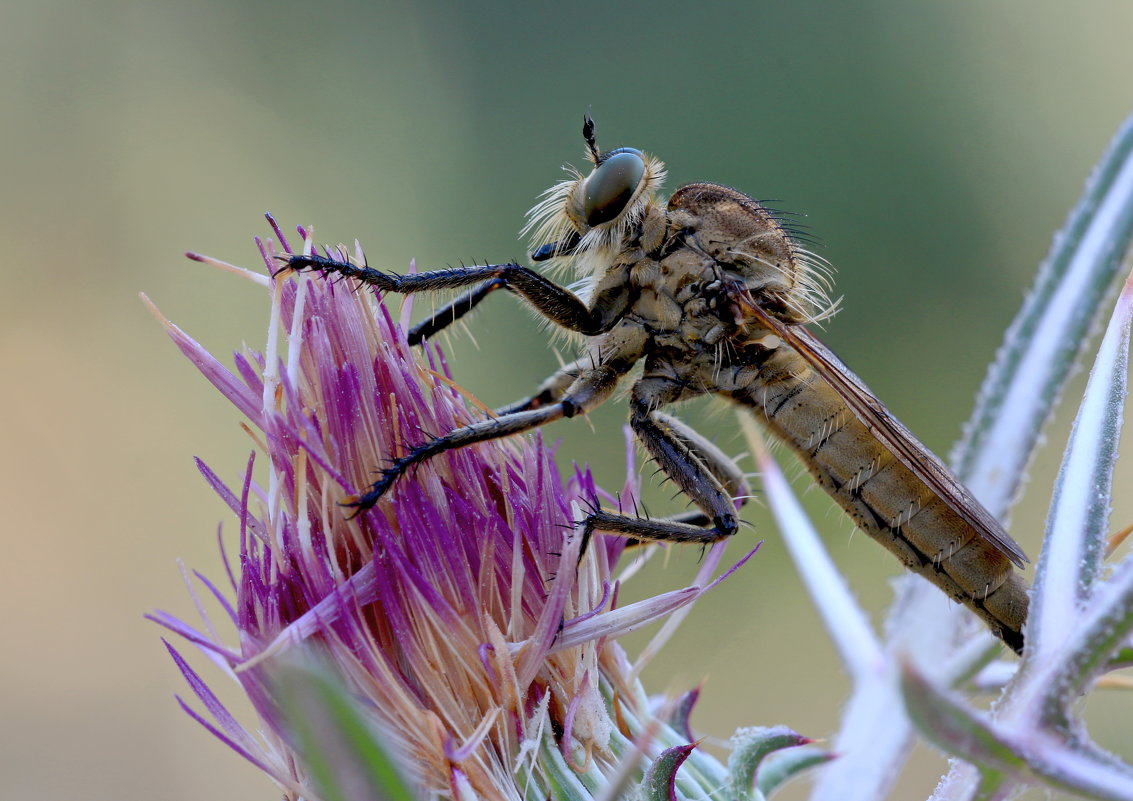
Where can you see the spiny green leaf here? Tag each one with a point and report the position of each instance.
(1050, 331)
(1076, 530)
(749, 749)
(782, 766)
(660, 779)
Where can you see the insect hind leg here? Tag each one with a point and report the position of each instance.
(641, 529)
(550, 391)
(698, 467)
(714, 460)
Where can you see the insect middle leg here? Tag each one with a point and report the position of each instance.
(591, 387)
(492, 428)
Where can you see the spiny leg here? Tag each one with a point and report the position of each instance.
(700, 469)
(493, 428)
(589, 389)
(617, 350)
(557, 304)
(467, 301)
(714, 460)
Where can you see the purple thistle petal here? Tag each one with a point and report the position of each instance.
(278, 232)
(215, 708)
(217, 594)
(224, 738)
(619, 622)
(227, 495)
(218, 375)
(598, 608)
(251, 374)
(550, 617)
(568, 727)
(267, 252)
(187, 632)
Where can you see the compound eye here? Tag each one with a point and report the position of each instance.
(609, 188)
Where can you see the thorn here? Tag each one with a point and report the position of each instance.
(1115, 540)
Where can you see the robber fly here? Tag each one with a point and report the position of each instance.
(712, 292)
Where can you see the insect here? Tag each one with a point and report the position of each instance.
(711, 293)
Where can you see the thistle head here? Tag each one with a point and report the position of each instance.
(461, 616)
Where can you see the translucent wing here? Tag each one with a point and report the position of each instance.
(892, 433)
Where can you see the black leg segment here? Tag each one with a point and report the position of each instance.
(698, 467)
(557, 304)
(492, 428)
(451, 312)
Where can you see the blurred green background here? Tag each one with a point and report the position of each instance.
(933, 146)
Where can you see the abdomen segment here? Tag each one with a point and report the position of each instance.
(884, 498)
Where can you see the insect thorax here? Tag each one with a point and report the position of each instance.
(750, 247)
(693, 263)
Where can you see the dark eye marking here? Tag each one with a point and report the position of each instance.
(612, 184)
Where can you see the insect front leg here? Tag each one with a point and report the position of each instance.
(556, 303)
(448, 314)
(467, 301)
(699, 468)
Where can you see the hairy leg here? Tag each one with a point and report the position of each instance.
(590, 388)
(697, 466)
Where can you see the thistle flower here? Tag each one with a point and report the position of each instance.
(460, 629)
